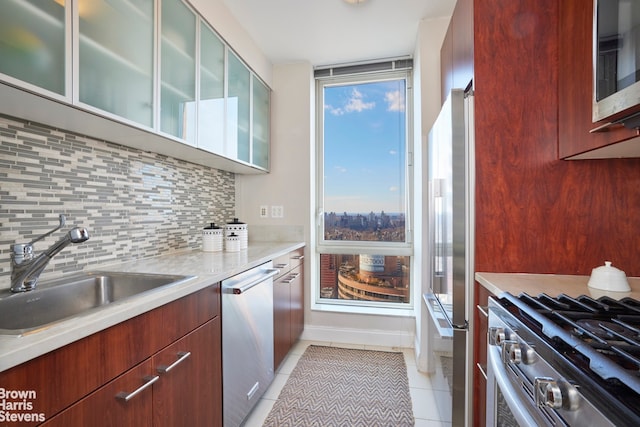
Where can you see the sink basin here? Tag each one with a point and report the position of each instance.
(70, 296)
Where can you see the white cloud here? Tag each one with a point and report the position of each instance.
(395, 100)
(393, 188)
(357, 104)
(335, 111)
(393, 152)
(340, 169)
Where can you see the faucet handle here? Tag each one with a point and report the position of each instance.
(63, 219)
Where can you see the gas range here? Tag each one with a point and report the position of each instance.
(574, 361)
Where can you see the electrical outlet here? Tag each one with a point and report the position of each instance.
(277, 212)
(264, 211)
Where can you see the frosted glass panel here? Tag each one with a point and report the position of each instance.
(116, 66)
(32, 42)
(238, 107)
(211, 105)
(260, 124)
(177, 75)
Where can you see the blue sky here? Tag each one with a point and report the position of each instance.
(364, 147)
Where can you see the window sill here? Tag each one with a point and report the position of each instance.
(374, 311)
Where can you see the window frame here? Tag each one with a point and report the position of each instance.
(339, 247)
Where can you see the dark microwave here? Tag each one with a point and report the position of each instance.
(616, 57)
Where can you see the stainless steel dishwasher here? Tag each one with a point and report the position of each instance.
(247, 341)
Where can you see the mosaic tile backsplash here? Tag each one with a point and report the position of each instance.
(134, 204)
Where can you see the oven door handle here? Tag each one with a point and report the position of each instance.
(517, 408)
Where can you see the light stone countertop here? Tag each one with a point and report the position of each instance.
(207, 267)
(550, 284)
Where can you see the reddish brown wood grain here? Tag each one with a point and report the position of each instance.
(576, 82)
(535, 213)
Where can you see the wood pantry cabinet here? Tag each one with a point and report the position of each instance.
(175, 349)
(575, 85)
(456, 53)
(288, 303)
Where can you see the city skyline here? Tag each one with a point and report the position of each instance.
(364, 147)
(381, 227)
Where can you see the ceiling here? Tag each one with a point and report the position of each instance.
(325, 32)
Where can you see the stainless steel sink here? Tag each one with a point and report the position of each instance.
(70, 296)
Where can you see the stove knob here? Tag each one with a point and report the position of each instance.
(548, 393)
(496, 336)
(506, 347)
(515, 354)
(529, 355)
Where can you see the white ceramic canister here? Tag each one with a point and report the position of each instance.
(232, 243)
(240, 229)
(212, 238)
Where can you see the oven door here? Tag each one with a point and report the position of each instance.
(509, 403)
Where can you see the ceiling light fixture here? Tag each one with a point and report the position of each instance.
(355, 1)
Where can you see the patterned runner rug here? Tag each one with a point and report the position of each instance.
(343, 387)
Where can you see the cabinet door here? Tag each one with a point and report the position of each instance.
(575, 85)
(33, 42)
(297, 303)
(238, 109)
(211, 103)
(116, 66)
(260, 124)
(109, 406)
(189, 391)
(281, 319)
(178, 70)
(480, 354)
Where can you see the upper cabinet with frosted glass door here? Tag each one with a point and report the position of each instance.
(116, 67)
(150, 74)
(238, 109)
(247, 115)
(260, 128)
(34, 46)
(212, 101)
(178, 71)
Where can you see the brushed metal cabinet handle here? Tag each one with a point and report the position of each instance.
(149, 379)
(182, 356)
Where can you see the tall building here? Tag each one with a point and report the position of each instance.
(365, 277)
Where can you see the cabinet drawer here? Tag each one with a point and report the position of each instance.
(282, 263)
(104, 408)
(184, 315)
(296, 257)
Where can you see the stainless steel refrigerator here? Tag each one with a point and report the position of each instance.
(449, 297)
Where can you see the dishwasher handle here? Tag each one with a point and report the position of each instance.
(244, 287)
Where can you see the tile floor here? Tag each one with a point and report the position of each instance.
(429, 393)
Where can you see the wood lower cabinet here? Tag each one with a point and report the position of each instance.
(175, 387)
(480, 318)
(77, 384)
(189, 391)
(288, 303)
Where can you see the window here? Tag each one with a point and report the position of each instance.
(364, 230)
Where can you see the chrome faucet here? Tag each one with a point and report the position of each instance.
(26, 267)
